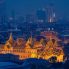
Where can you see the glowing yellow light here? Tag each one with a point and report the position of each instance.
(33, 55)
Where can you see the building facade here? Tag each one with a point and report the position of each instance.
(44, 48)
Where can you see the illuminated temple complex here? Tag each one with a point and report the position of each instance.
(48, 46)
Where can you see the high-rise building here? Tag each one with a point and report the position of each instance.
(30, 18)
(12, 19)
(41, 15)
(51, 14)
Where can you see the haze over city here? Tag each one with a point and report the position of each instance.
(23, 7)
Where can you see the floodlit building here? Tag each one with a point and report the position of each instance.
(44, 48)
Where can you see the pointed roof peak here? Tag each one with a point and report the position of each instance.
(11, 37)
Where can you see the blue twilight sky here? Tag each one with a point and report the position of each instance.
(23, 7)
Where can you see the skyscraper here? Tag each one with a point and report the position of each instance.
(30, 18)
(51, 13)
(12, 20)
(41, 15)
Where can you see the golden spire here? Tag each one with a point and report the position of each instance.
(9, 43)
(28, 43)
(11, 38)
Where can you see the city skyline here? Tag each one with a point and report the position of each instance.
(23, 7)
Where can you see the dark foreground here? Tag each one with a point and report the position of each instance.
(32, 63)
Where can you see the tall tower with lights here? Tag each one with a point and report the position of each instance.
(51, 13)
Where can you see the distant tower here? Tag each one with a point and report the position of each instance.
(2, 11)
(41, 15)
(30, 18)
(12, 19)
(51, 14)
